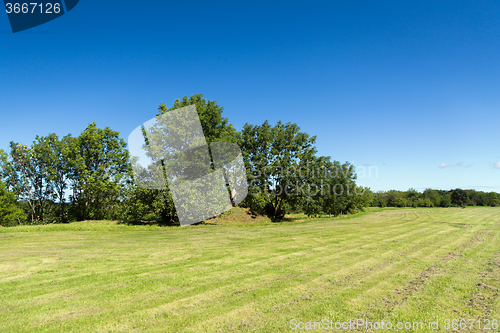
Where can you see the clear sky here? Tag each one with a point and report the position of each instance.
(411, 88)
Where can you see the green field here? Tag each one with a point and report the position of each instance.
(397, 265)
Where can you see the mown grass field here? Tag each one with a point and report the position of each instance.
(394, 265)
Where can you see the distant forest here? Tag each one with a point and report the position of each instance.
(435, 198)
(89, 177)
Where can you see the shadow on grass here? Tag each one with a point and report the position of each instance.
(159, 223)
(287, 219)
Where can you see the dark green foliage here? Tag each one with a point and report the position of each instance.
(99, 167)
(436, 198)
(491, 199)
(148, 205)
(285, 175)
(340, 194)
(10, 213)
(273, 156)
(459, 198)
(158, 205)
(93, 166)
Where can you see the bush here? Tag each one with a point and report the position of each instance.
(401, 202)
(10, 213)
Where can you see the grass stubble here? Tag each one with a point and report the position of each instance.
(397, 265)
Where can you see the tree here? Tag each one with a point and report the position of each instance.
(215, 126)
(159, 203)
(492, 199)
(434, 196)
(459, 197)
(55, 155)
(9, 212)
(379, 199)
(25, 177)
(366, 196)
(445, 199)
(396, 199)
(341, 195)
(99, 164)
(412, 197)
(316, 177)
(273, 159)
(3, 164)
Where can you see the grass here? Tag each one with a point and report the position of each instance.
(394, 265)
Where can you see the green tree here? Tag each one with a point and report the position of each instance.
(10, 214)
(273, 158)
(492, 199)
(400, 202)
(412, 197)
(316, 178)
(434, 196)
(445, 199)
(26, 178)
(5, 167)
(27, 174)
(99, 164)
(159, 203)
(341, 195)
(459, 197)
(56, 159)
(215, 126)
(366, 197)
(396, 198)
(380, 199)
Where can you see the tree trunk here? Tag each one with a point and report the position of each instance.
(63, 213)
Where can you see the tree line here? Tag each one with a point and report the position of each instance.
(66, 179)
(435, 198)
(89, 177)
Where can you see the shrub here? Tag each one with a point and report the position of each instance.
(10, 213)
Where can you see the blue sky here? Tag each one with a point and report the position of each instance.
(409, 88)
